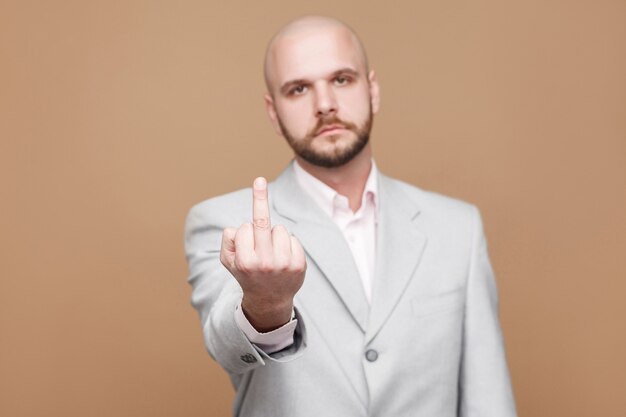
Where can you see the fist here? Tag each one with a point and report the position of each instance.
(268, 262)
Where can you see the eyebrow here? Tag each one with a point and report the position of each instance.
(284, 89)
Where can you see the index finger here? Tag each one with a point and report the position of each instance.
(261, 216)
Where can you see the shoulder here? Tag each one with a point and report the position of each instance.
(437, 212)
(427, 200)
(225, 210)
(230, 209)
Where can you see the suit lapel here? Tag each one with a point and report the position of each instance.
(399, 248)
(323, 242)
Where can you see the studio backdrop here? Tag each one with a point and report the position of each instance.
(117, 116)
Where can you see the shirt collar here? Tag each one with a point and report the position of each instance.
(326, 197)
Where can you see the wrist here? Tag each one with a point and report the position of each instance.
(265, 317)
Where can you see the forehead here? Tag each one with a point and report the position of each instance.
(314, 54)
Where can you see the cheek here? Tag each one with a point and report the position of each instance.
(355, 104)
(296, 117)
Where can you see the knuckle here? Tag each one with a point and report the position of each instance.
(244, 228)
(279, 228)
(282, 265)
(244, 266)
(299, 267)
(261, 223)
(241, 266)
(266, 266)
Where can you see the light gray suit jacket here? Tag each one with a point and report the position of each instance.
(430, 345)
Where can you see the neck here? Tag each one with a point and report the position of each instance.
(348, 180)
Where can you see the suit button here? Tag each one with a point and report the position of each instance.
(371, 355)
(248, 358)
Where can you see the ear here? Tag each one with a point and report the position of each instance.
(374, 91)
(271, 113)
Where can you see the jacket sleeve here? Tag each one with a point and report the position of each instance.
(216, 294)
(485, 386)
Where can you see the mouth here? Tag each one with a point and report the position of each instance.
(331, 130)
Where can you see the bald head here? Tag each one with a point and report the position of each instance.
(285, 43)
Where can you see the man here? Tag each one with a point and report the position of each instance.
(373, 297)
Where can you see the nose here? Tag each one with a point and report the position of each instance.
(326, 103)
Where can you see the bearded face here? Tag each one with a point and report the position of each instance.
(332, 143)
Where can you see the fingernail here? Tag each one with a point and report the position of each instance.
(260, 183)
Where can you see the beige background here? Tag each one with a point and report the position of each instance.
(117, 116)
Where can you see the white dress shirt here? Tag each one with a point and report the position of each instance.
(359, 230)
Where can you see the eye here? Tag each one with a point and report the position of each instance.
(297, 90)
(342, 80)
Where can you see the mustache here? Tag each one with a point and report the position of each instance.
(322, 123)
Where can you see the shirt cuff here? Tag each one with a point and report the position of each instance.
(269, 342)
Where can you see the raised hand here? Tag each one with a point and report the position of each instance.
(268, 263)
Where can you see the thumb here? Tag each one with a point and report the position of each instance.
(227, 251)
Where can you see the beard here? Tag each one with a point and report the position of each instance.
(338, 156)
